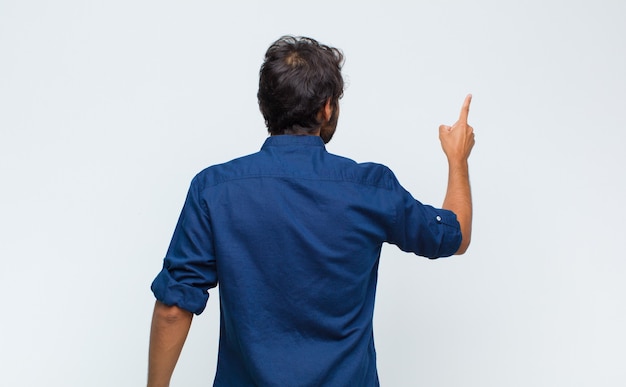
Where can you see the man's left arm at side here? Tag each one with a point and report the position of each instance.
(170, 326)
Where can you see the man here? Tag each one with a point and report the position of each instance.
(293, 235)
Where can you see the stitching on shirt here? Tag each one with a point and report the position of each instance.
(342, 179)
(383, 181)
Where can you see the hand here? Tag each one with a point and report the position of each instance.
(457, 140)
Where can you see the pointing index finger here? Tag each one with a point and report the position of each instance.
(465, 108)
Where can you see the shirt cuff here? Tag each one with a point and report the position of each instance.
(170, 292)
(451, 233)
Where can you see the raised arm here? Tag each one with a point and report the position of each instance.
(457, 142)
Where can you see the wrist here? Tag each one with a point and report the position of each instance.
(457, 162)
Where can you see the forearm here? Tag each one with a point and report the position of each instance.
(170, 326)
(459, 199)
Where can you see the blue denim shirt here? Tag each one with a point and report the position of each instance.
(293, 235)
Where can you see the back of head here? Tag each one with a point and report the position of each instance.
(297, 78)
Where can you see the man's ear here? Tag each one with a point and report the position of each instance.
(327, 110)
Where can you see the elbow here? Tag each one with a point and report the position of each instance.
(463, 247)
(170, 314)
(466, 235)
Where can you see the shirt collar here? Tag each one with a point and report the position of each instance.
(291, 140)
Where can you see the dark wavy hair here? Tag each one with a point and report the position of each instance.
(296, 79)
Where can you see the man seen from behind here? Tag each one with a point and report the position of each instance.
(293, 236)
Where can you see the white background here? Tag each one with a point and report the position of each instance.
(109, 108)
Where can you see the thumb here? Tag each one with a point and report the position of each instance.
(444, 128)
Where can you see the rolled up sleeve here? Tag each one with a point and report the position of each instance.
(189, 268)
(425, 230)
